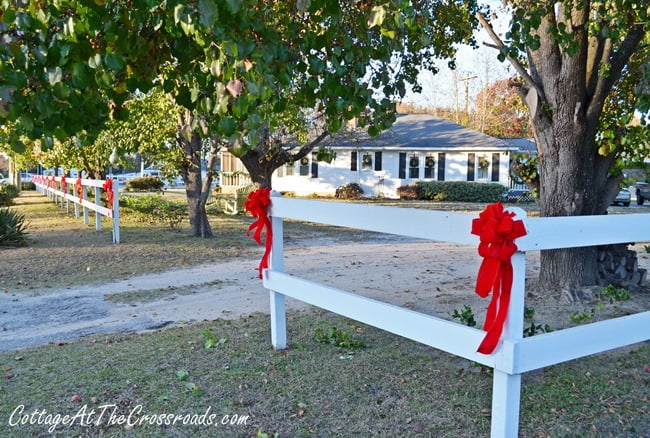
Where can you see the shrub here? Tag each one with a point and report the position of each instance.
(27, 185)
(12, 228)
(154, 209)
(407, 192)
(145, 184)
(460, 191)
(8, 192)
(349, 191)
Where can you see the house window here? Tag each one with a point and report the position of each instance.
(291, 169)
(314, 165)
(429, 166)
(353, 161)
(414, 166)
(471, 166)
(280, 171)
(366, 161)
(304, 166)
(483, 166)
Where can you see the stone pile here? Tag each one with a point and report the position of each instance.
(619, 267)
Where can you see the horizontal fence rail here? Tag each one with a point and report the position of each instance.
(75, 191)
(515, 355)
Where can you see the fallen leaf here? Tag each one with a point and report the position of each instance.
(6, 368)
(76, 398)
(8, 376)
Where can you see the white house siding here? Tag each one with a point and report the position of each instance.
(386, 181)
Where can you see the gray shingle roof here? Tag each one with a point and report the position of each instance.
(420, 131)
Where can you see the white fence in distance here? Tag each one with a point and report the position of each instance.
(515, 355)
(64, 192)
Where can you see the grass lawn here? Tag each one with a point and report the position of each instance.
(390, 387)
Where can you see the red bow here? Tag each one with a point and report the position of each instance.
(64, 184)
(79, 189)
(108, 186)
(257, 204)
(497, 231)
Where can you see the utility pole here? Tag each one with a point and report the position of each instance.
(467, 79)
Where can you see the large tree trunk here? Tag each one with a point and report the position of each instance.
(194, 188)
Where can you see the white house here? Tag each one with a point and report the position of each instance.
(418, 147)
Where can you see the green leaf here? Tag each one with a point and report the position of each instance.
(233, 5)
(388, 33)
(209, 13)
(114, 62)
(95, 61)
(182, 375)
(9, 16)
(17, 146)
(228, 126)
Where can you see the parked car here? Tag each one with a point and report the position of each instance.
(642, 192)
(518, 195)
(623, 198)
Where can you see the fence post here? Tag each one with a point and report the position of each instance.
(278, 309)
(506, 388)
(85, 196)
(98, 201)
(116, 211)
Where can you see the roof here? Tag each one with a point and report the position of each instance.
(419, 132)
(525, 145)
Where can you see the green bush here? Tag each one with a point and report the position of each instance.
(460, 191)
(407, 192)
(27, 185)
(154, 209)
(145, 184)
(12, 228)
(8, 192)
(349, 191)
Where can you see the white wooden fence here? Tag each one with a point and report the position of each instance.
(66, 192)
(515, 355)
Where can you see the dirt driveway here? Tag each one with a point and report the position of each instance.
(431, 277)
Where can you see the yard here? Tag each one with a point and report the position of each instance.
(223, 370)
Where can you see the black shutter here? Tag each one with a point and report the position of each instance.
(441, 167)
(314, 165)
(377, 160)
(402, 165)
(495, 167)
(471, 164)
(353, 161)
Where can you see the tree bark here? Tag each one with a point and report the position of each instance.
(194, 187)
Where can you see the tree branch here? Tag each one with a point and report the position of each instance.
(304, 150)
(515, 63)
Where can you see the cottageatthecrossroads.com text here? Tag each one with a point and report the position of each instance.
(108, 415)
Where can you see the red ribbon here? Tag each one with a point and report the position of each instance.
(64, 185)
(257, 204)
(108, 186)
(79, 189)
(497, 231)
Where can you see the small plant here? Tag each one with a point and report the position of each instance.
(27, 185)
(579, 318)
(409, 192)
(647, 248)
(349, 191)
(615, 294)
(334, 336)
(8, 192)
(466, 316)
(210, 341)
(154, 209)
(145, 184)
(534, 329)
(12, 228)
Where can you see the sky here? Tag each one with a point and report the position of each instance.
(444, 90)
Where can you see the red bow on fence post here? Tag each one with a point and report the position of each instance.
(497, 231)
(64, 185)
(78, 187)
(257, 204)
(108, 186)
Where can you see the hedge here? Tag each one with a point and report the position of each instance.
(145, 184)
(459, 191)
